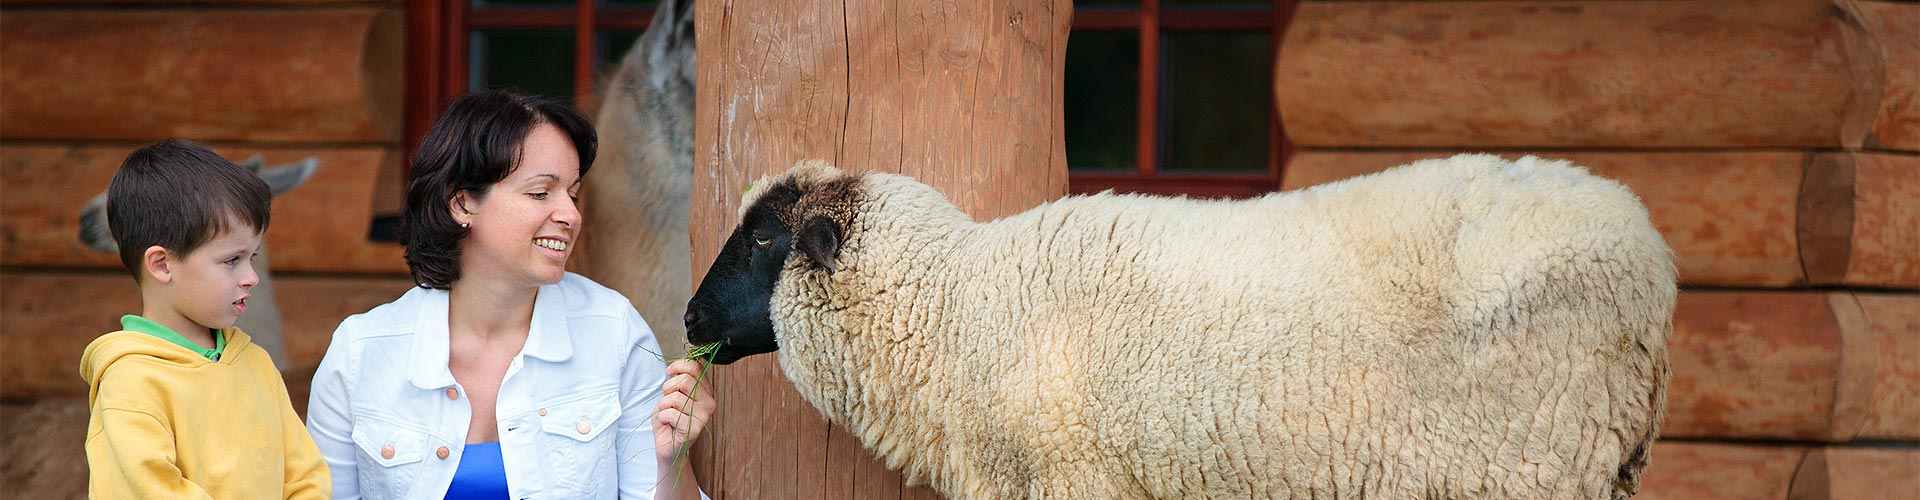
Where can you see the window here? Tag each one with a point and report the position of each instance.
(1174, 97)
(1171, 97)
(549, 47)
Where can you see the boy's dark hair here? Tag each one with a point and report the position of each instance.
(475, 144)
(178, 195)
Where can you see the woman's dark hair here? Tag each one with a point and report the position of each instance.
(475, 144)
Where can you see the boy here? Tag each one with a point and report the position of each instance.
(183, 406)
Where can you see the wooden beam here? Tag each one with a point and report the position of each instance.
(1846, 473)
(1568, 74)
(1802, 366)
(950, 96)
(1715, 471)
(58, 328)
(1892, 29)
(1726, 471)
(1885, 242)
(304, 74)
(1889, 343)
(320, 226)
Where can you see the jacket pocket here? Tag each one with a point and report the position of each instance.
(577, 438)
(391, 457)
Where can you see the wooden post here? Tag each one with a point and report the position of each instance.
(964, 98)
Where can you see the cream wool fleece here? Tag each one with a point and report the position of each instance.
(1458, 328)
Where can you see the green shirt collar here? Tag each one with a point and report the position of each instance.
(140, 324)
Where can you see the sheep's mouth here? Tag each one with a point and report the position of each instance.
(730, 351)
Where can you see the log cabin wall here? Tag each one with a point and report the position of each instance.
(1776, 145)
(84, 82)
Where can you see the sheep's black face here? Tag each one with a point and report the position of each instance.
(733, 303)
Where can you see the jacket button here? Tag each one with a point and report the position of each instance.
(386, 452)
(543, 412)
(582, 427)
(452, 394)
(442, 453)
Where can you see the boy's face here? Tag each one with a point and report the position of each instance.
(210, 286)
(523, 230)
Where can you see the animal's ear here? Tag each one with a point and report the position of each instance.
(819, 239)
(253, 163)
(286, 177)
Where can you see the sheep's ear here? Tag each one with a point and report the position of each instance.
(819, 239)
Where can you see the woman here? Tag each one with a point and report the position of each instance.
(502, 375)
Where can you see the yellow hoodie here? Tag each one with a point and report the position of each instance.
(169, 423)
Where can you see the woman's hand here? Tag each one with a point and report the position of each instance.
(684, 409)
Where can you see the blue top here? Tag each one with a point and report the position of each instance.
(481, 474)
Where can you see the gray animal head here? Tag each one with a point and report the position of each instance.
(95, 234)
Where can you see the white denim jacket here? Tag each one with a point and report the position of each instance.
(574, 410)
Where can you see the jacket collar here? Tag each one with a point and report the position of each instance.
(547, 337)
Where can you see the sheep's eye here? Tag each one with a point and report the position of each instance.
(762, 240)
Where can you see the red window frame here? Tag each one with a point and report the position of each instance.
(437, 32)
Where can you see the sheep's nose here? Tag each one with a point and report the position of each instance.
(692, 318)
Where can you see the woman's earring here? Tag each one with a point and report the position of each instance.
(463, 225)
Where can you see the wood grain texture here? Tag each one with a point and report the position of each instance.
(1753, 365)
(955, 95)
(320, 226)
(1885, 248)
(1730, 217)
(1570, 74)
(1825, 222)
(1711, 471)
(304, 74)
(1892, 335)
(53, 316)
(1803, 366)
(1892, 32)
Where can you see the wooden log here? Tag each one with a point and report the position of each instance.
(1892, 29)
(1825, 223)
(1725, 471)
(949, 95)
(1728, 216)
(1715, 471)
(57, 326)
(1807, 366)
(1891, 341)
(318, 74)
(1570, 74)
(1885, 242)
(1753, 365)
(321, 225)
(1848, 473)
(45, 457)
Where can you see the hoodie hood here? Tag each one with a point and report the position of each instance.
(124, 345)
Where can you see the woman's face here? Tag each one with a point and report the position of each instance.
(522, 230)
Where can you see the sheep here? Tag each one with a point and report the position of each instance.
(1458, 328)
(261, 320)
(635, 204)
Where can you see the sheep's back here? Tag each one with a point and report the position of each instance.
(1448, 327)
